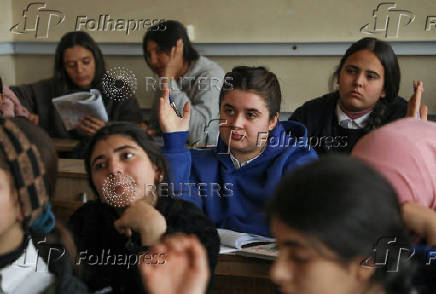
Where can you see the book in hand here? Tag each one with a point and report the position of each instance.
(74, 106)
(245, 244)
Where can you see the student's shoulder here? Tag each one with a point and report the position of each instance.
(90, 212)
(311, 111)
(399, 103)
(44, 87)
(178, 211)
(203, 159)
(397, 108)
(45, 83)
(205, 67)
(319, 103)
(174, 205)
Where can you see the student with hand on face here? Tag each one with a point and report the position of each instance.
(125, 170)
(79, 66)
(232, 181)
(191, 78)
(368, 79)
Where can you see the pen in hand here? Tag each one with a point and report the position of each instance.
(173, 105)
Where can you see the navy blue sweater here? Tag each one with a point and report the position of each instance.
(235, 199)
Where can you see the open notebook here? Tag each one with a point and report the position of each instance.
(245, 244)
(71, 107)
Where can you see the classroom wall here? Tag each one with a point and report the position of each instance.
(301, 77)
(7, 61)
(5, 21)
(244, 20)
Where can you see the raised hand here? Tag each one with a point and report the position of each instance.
(185, 270)
(168, 119)
(414, 104)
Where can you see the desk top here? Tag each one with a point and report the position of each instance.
(71, 167)
(64, 145)
(239, 266)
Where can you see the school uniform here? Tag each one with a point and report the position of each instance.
(327, 132)
(233, 195)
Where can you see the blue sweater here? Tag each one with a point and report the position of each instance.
(235, 199)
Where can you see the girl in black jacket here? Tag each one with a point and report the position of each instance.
(134, 211)
(368, 79)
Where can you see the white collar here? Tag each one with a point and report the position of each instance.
(238, 164)
(345, 121)
(29, 273)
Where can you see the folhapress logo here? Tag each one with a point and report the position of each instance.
(388, 20)
(37, 18)
(388, 252)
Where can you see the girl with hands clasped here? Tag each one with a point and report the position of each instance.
(134, 210)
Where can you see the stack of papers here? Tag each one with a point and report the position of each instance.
(245, 244)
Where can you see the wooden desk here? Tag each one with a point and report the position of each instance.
(64, 209)
(236, 275)
(64, 145)
(72, 181)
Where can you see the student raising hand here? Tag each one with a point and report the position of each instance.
(169, 120)
(414, 107)
(185, 270)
